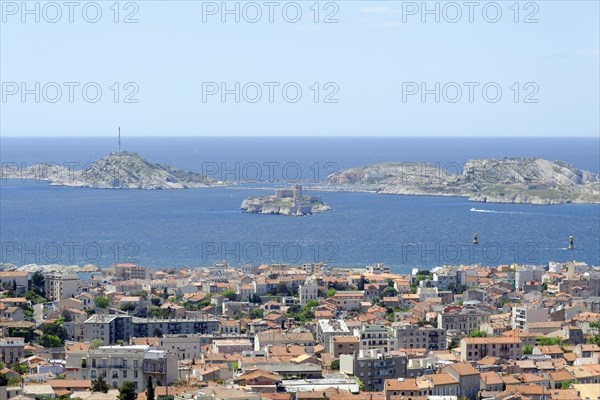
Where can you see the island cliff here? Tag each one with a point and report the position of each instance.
(286, 202)
(119, 170)
(509, 180)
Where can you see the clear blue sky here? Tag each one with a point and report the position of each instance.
(368, 54)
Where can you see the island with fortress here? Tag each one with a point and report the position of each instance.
(288, 201)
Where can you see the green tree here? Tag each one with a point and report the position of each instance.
(595, 339)
(477, 333)
(548, 341)
(390, 315)
(165, 294)
(94, 344)
(149, 389)
(361, 283)
(566, 384)
(255, 299)
(50, 341)
(257, 313)
(14, 381)
(101, 302)
(99, 385)
(34, 297)
(303, 314)
(330, 292)
(127, 391)
(230, 294)
(128, 307)
(141, 293)
(283, 289)
(155, 301)
(361, 385)
(3, 380)
(389, 291)
(335, 365)
(527, 350)
(26, 333)
(37, 282)
(56, 329)
(294, 309)
(453, 344)
(19, 368)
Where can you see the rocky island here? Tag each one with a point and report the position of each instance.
(509, 180)
(286, 202)
(119, 170)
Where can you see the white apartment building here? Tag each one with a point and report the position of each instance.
(526, 273)
(526, 314)
(308, 291)
(127, 271)
(61, 286)
(327, 329)
(372, 337)
(118, 364)
(186, 347)
(408, 336)
(231, 346)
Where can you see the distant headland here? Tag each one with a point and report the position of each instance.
(509, 180)
(286, 202)
(118, 170)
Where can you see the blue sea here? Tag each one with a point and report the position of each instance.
(45, 224)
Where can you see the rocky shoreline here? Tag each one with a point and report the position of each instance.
(516, 181)
(49, 268)
(119, 170)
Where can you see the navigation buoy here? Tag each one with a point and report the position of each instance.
(571, 244)
(475, 241)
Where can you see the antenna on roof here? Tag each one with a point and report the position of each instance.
(119, 139)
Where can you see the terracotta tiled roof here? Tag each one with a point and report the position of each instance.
(442, 379)
(464, 368)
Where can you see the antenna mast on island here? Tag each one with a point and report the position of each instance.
(119, 139)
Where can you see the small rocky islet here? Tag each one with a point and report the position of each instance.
(290, 201)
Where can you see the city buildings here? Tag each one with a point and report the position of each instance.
(477, 339)
(117, 364)
(374, 366)
(61, 286)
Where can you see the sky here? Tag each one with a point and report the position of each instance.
(305, 68)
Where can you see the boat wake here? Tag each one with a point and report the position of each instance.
(498, 212)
